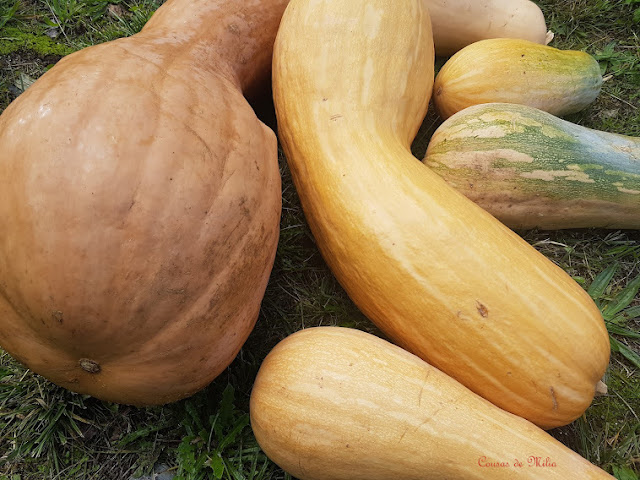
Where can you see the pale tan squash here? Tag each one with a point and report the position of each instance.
(139, 205)
(436, 273)
(332, 403)
(458, 23)
(517, 71)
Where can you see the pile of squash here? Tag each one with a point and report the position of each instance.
(140, 201)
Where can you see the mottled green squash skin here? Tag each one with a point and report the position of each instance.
(531, 169)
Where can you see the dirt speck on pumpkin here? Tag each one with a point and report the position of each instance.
(89, 366)
(553, 397)
(482, 309)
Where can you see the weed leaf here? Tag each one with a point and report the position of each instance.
(8, 14)
(623, 299)
(622, 331)
(240, 424)
(141, 433)
(624, 473)
(633, 312)
(602, 280)
(625, 351)
(217, 465)
(194, 415)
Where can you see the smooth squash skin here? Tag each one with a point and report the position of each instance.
(139, 205)
(458, 23)
(332, 403)
(439, 275)
(517, 71)
(531, 169)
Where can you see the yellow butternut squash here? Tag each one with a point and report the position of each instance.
(333, 403)
(436, 273)
(517, 71)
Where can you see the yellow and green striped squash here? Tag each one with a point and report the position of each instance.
(517, 71)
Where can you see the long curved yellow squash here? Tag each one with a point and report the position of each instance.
(333, 403)
(439, 275)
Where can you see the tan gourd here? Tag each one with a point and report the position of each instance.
(458, 23)
(139, 205)
(332, 403)
(439, 275)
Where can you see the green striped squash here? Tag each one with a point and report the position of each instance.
(531, 169)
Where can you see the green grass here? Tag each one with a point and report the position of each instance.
(49, 433)
(8, 10)
(610, 31)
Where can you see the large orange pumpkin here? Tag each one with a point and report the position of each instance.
(139, 205)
